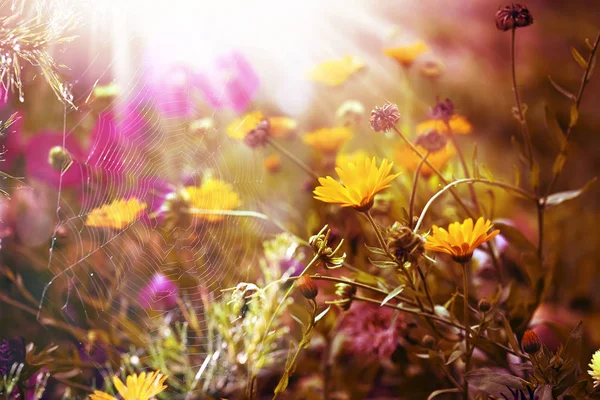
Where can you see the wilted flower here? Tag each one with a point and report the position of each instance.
(345, 292)
(328, 140)
(513, 16)
(117, 215)
(214, 195)
(159, 294)
(432, 141)
(351, 112)
(407, 54)
(307, 287)
(12, 351)
(319, 243)
(138, 387)
(384, 118)
(595, 368)
(273, 163)
(460, 240)
(259, 135)
(458, 123)
(408, 159)
(374, 331)
(361, 181)
(336, 72)
(530, 342)
(443, 110)
(404, 243)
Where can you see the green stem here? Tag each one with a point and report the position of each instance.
(467, 327)
(293, 158)
(414, 191)
(522, 121)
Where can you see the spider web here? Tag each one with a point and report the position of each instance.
(143, 145)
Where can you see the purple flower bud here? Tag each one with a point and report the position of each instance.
(443, 110)
(160, 294)
(11, 351)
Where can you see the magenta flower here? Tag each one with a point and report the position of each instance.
(12, 351)
(230, 83)
(374, 331)
(159, 294)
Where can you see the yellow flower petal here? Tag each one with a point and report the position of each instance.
(459, 124)
(213, 195)
(328, 140)
(118, 215)
(407, 54)
(239, 128)
(336, 72)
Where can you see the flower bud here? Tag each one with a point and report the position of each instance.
(428, 342)
(443, 110)
(307, 287)
(432, 141)
(59, 158)
(531, 343)
(345, 292)
(513, 16)
(484, 305)
(259, 135)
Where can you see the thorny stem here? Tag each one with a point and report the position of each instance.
(449, 186)
(293, 158)
(414, 190)
(465, 168)
(522, 121)
(467, 327)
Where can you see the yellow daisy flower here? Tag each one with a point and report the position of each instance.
(241, 126)
(459, 124)
(328, 140)
(354, 157)
(118, 214)
(336, 72)
(407, 54)
(360, 182)
(139, 387)
(407, 158)
(595, 368)
(460, 240)
(213, 195)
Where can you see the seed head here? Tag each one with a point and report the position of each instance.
(432, 141)
(384, 118)
(259, 135)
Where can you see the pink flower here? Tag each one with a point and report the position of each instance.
(173, 90)
(230, 83)
(374, 330)
(159, 294)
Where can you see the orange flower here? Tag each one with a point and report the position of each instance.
(460, 240)
(354, 157)
(459, 124)
(407, 54)
(406, 157)
(139, 387)
(282, 126)
(328, 140)
(336, 72)
(360, 182)
(118, 215)
(273, 163)
(278, 126)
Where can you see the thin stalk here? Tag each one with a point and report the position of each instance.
(523, 122)
(293, 158)
(449, 186)
(465, 168)
(414, 190)
(467, 327)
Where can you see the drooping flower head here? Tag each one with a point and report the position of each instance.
(328, 140)
(360, 182)
(138, 387)
(384, 118)
(595, 368)
(117, 215)
(406, 55)
(513, 16)
(460, 240)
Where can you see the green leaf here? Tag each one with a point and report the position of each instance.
(475, 163)
(376, 250)
(579, 58)
(589, 44)
(517, 175)
(562, 90)
(535, 175)
(393, 294)
(561, 197)
(572, 349)
(322, 314)
(559, 164)
(494, 383)
(454, 356)
(512, 340)
(556, 134)
(383, 264)
(544, 392)
(486, 172)
(442, 391)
